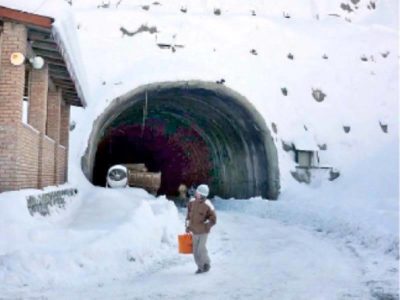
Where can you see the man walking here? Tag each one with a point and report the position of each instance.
(199, 220)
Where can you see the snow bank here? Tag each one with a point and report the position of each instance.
(362, 205)
(365, 226)
(368, 226)
(101, 233)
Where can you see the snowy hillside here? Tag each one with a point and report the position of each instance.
(326, 240)
(360, 94)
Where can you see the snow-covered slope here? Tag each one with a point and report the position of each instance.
(359, 74)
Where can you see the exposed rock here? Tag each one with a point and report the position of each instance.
(346, 129)
(287, 147)
(169, 46)
(253, 51)
(302, 176)
(318, 95)
(104, 5)
(384, 127)
(274, 128)
(323, 147)
(284, 91)
(142, 28)
(346, 7)
(333, 174)
(290, 56)
(371, 5)
(217, 11)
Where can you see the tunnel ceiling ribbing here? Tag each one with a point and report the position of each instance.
(237, 142)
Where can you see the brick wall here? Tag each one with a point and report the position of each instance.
(13, 39)
(53, 114)
(37, 111)
(62, 155)
(64, 132)
(1, 42)
(47, 162)
(27, 159)
(54, 99)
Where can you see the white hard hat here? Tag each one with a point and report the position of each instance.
(203, 190)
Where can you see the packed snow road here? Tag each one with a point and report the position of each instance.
(252, 258)
(255, 258)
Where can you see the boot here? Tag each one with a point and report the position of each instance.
(206, 267)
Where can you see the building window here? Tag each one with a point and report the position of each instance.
(304, 158)
(27, 91)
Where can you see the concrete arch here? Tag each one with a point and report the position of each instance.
(211, 133)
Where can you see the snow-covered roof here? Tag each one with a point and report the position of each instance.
(305, 142)
(47, 41)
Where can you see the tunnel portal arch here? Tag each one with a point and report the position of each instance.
(191, 131)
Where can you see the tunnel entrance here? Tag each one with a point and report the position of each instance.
(192, 132)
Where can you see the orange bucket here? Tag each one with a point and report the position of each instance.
(185, 243)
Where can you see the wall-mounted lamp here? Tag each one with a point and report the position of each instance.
(17, 59)
(37, 62)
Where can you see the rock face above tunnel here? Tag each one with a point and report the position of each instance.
(193, 132)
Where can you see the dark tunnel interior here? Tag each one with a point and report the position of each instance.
(192, 136)
(163, 145)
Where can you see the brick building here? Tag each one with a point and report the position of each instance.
(35, 100)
